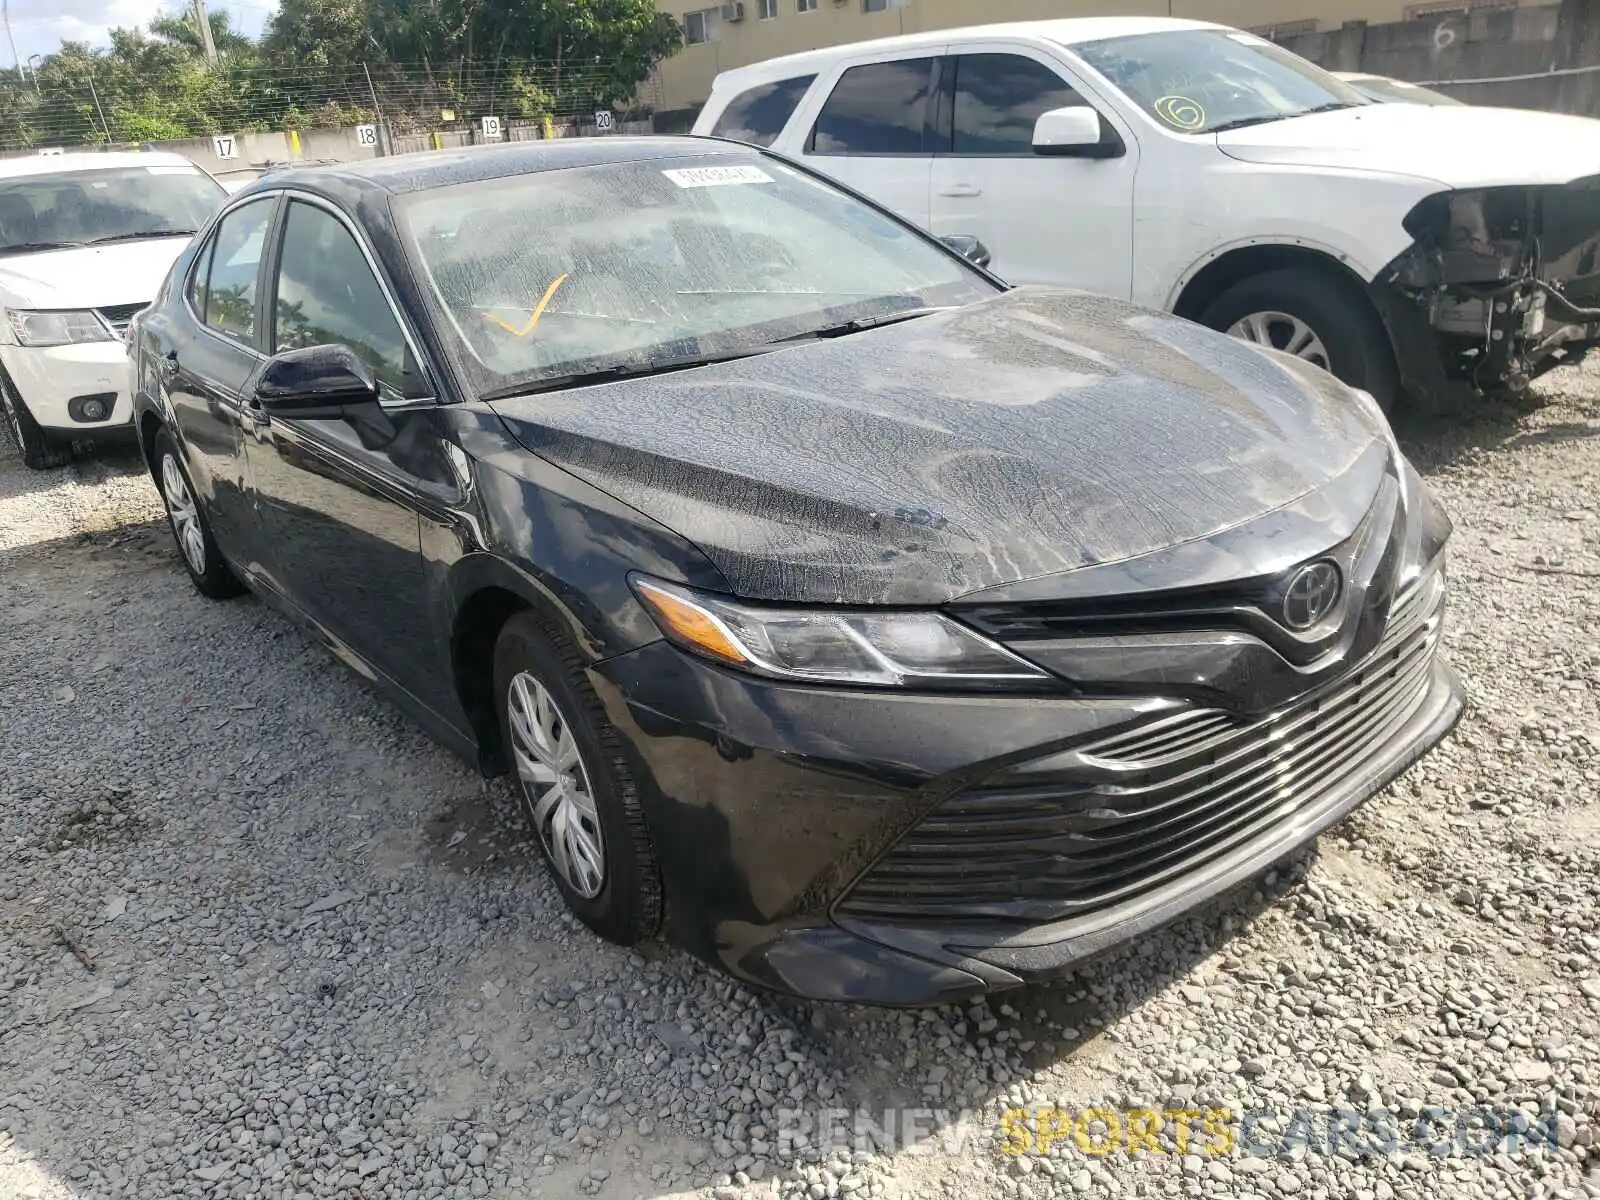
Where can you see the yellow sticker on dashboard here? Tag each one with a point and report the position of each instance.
(1181, 113)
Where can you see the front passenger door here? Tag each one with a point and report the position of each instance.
(337, 501)
(1066, 222)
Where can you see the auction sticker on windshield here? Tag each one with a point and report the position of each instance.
(688, 177)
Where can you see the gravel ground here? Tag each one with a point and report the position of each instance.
(259, 937)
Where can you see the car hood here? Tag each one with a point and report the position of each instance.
(88, 276)
(1458, 147)
(1034, 433)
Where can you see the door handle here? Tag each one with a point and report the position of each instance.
(168, 363)
(961, 189)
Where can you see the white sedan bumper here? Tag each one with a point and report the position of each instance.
(50, 378)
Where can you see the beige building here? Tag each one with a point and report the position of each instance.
(735, 34)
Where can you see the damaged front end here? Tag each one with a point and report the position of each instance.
(1499, 286)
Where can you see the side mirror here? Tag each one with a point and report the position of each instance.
(1077, 132)
(969, 247)
(317, 382)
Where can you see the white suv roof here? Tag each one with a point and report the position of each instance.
(1066, 31)
(50, 164)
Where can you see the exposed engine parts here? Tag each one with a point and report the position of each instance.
(1500, 286)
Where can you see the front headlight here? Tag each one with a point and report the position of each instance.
(63, 327)
(853, 646)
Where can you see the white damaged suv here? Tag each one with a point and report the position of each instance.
(1205, 171)
(85, 241)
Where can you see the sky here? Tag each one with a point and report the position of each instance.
(40, 26)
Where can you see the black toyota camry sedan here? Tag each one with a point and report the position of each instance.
(866, 627)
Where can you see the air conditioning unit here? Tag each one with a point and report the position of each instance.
(734, 11)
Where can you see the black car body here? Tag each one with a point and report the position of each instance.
(1177, 597)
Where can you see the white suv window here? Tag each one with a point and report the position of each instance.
(877, 109)
(998, 98)
(757, 115)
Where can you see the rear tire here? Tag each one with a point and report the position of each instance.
(209, 572)
(40, 452)
(1280, 308)
(537, 672)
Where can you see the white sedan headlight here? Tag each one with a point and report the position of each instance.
(58, 327)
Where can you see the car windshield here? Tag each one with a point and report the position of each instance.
(1393, 91)
(556, 273)
(1208, 80)
(86, 207)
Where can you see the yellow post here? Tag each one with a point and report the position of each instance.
(549, 127)
(438, 142)
(294, 142)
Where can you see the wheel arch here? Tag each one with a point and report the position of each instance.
(1213, 275)
(485, 592)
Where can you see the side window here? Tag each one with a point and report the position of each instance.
(998, 97)
(198, 276)
(234, 264)
(879, 108)
(758, 115)
(327, 294)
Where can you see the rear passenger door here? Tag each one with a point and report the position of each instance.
(874, 130)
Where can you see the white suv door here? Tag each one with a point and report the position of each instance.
(873, 129)
(1050, 219)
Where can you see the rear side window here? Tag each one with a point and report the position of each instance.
(234, 261)
(998, 98)
(758, 115)
(876, 109)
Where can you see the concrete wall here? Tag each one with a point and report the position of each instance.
(1537, 57)
(685, 78)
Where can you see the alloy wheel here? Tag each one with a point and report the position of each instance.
(1282, 331)
(185, 514)
(556, 785)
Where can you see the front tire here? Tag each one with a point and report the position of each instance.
(577, 787)
(1316, 317)
(191, 531)
(40, 452)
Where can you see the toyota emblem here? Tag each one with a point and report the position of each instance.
(1311, 594)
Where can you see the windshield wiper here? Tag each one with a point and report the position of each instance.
(27, 247)
(1246, 122)
(857, 324)
(621, 370)
(139, 235)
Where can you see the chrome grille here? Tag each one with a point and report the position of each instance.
(120, 317)
(1131, 810)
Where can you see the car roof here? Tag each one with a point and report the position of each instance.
(1064, 31)
(52, 164)
(425, 169)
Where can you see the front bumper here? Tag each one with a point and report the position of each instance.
(50, 378)
(836, 845)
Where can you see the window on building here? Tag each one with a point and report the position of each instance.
(766, 9)
(698, 26)
(759, 114)
(234, 263)
(328, 295)
(998, 98)
(877, 109)
(805, 6)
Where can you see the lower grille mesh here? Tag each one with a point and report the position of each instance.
(1133, 809)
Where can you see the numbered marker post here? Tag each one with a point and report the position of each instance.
(602, 120)
(225, 146)
(366, 136)
(491, 127)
